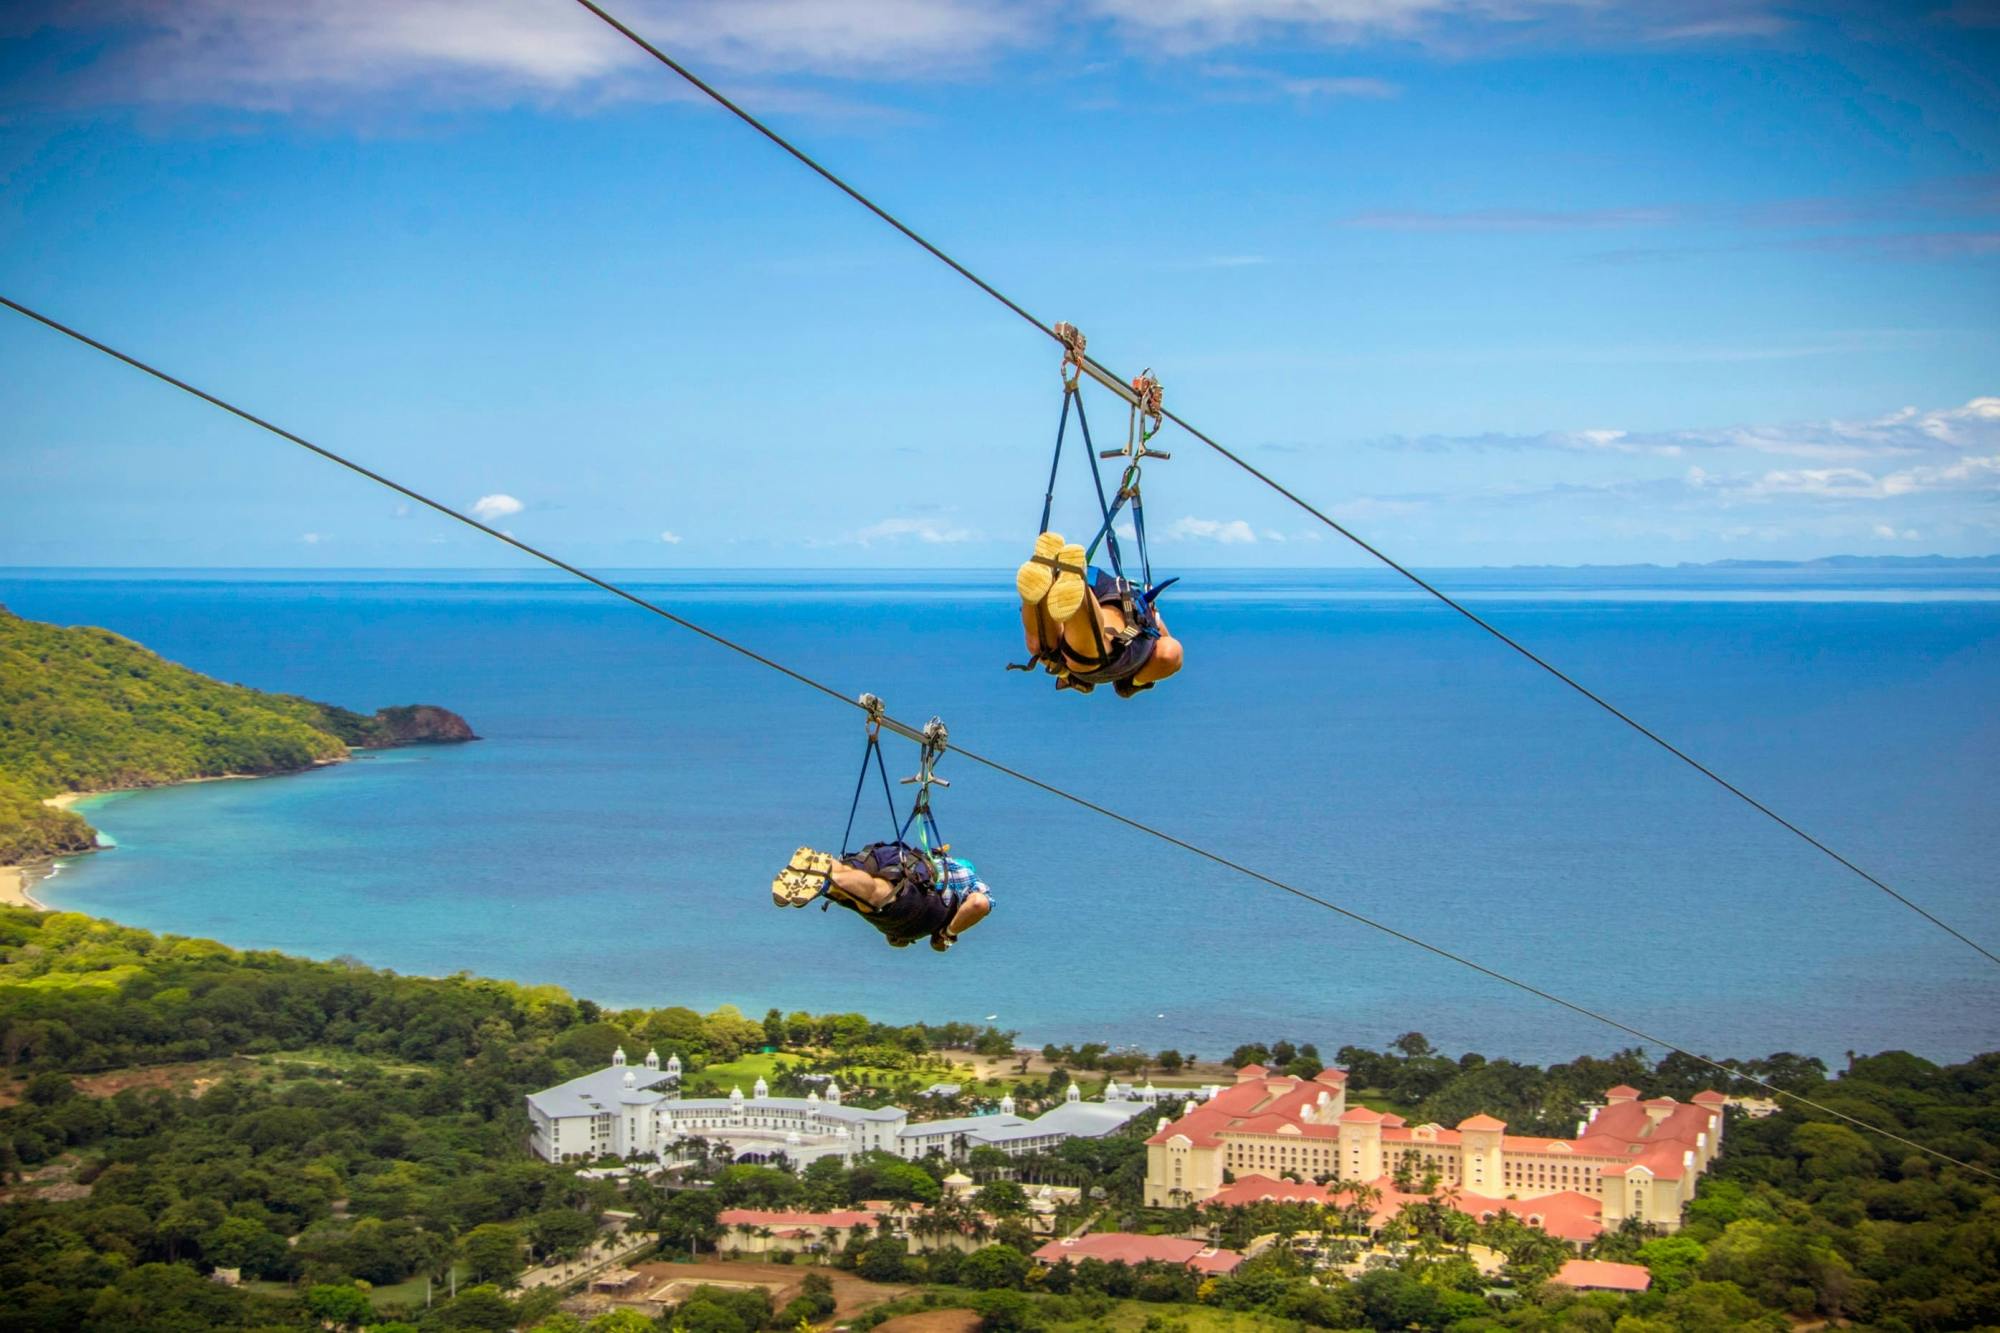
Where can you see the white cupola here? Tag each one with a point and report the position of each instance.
(618, 1057)
(736, 1099)
(760, 1090)
(812, 1098)
(673, 1064)
(833, 1092)
(631, 1080)
(1073, 1093)
(652, 1059)
(1007, 1104)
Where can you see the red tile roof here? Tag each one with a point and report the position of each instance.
(1622, 1090)
(1252, 1071)
(1124, 1247)
(1621, 1135)
(1565, 1214)
(1602, 1275)
(1262, 1189)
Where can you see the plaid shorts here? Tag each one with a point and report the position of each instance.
(962, 879)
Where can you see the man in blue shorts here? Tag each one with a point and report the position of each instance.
(894, 888)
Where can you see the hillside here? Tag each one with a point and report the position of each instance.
(83, 709)
(338, 1134)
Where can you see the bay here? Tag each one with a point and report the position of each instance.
(616, 830)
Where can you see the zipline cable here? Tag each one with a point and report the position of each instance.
(1105, 376)
(995, 765)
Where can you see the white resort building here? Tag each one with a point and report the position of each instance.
(630, 1111)
(1016, 1135)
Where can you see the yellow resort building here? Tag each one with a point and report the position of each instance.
(1637, 1159)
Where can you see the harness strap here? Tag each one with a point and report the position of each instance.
(874, 748)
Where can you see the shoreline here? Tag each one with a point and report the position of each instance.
(17, 880)
(14, 889)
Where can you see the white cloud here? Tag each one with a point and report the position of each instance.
(1907, 432)
(268, 55)
(487, 508)
(1255, 82)
(1227, 532)
(279, 56)
(1458, 25)
(1512, 219)
(934, 531)
(1974, 473)
(671, 538)
(1888, 532)
(311, 538)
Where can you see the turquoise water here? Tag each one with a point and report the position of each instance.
(617, 829)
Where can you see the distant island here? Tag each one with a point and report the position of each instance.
(85, 710)
(1849, 562)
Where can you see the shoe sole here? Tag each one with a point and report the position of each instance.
(1034, 578)
(1067, 593)
(801, 882)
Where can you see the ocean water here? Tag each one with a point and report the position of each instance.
(616, 830)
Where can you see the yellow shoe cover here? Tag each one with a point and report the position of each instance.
(799, 883)
(1068, 592)
(1032, 580)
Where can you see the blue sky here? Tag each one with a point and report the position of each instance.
(1494, 281)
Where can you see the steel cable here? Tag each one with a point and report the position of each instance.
(1104, 373)
(995, 765)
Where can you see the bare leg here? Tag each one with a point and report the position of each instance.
(860, 887)
(1166, 658)
(1088, 633)
(1031, 626)
(970, 913)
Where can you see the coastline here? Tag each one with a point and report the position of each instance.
(14, 889)
(17, 881)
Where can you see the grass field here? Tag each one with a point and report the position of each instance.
(1377, 1100)
(746, 1070)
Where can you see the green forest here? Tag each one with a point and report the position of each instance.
(83, 709)
(354, 1133)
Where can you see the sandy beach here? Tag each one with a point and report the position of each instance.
(16, 881)
(14, 888)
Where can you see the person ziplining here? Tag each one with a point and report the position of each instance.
(909, 887)
(1084, 625)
